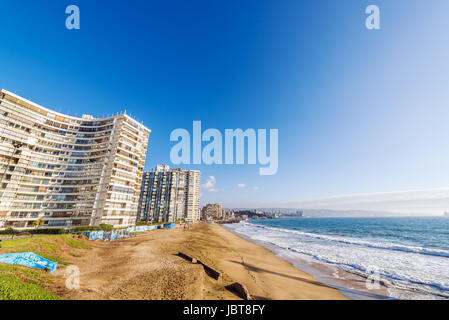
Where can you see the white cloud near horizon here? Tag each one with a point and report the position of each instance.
(209, 186)
(243, 186)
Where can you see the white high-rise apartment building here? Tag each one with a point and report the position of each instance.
(193, 213)
(65, 170)
(170, 195)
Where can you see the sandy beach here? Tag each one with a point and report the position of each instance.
(148, 267)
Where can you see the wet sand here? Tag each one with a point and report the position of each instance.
(351, 285)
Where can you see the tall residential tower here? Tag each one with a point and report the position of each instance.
(65, 170)
(170, 195)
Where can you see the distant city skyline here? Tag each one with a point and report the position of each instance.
(360, 113)
(425, 202)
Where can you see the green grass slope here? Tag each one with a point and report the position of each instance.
(22, 283)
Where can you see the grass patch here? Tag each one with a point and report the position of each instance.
(71, 242)
(53, 247)
(29, 242)
(52, 258)
(25, 272)
(21, 283)
(18, 283)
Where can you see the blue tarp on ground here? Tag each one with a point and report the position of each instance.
(28, 259)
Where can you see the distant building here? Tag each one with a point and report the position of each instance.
(299, 213)
(446, 214)
(169, 195)
(228, 214)
(212, 212)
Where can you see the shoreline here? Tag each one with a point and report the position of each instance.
(282, 280)
(349, 284)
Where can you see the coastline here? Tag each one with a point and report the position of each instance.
(352, 286)
(408, 267)
(148, 267)
(266, 275)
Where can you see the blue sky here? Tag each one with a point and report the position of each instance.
(358, 111)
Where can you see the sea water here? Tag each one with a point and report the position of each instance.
(409, 255)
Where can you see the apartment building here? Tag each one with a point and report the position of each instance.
(68, 171)
(193, 196)
(212, 212)
(169, 195)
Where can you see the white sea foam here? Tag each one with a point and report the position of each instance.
(403, 268)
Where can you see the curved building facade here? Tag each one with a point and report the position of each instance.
(68, 171)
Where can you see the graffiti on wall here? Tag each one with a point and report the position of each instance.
(125, 233)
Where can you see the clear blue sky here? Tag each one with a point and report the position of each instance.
(358, 111)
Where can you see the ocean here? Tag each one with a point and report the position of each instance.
(409, 256)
